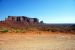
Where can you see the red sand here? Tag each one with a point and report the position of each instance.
(37, 41)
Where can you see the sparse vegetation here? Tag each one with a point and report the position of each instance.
(3, 30)
(20, 27)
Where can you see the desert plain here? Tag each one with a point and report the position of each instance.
(37, 41)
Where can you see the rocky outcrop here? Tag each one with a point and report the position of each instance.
(22, 19)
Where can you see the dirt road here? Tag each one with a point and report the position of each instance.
(37, 42)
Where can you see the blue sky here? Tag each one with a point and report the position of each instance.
(50, 11)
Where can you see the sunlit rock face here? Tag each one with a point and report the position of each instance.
(22, 19)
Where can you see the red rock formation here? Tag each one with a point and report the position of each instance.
(22, 19)
(18, 22)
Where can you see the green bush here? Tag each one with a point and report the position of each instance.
(4, 30)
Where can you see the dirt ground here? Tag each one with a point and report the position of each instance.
(34, 41)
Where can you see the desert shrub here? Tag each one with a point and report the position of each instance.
(18, 30)
(4, 30)
(53, 30)
(43, 29)
(15, 29)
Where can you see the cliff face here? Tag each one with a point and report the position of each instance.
(19, 22)
(22, 19)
